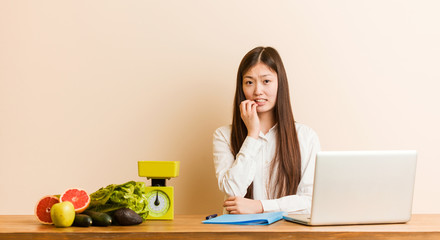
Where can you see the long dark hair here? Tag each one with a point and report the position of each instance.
(288, 157)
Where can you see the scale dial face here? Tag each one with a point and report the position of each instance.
(158, 203)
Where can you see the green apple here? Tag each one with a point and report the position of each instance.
(62, 214)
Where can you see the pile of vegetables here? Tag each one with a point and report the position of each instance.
(130, 195)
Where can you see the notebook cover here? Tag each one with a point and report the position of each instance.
(247, 219)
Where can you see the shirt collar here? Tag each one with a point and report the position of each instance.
(269, 133)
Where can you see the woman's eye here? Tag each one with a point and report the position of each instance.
(248, 82)
(266, 81)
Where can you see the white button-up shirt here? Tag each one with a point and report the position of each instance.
(253, 162)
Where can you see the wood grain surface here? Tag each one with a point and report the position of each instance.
(421, 226)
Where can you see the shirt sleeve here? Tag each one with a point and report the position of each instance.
(234, 175)
(302, 201)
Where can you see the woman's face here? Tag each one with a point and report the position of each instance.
(260, 84)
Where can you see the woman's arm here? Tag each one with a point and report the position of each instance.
(234, 174)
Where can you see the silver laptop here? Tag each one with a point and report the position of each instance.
(361, 187)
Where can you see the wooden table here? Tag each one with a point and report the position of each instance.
(190, 227)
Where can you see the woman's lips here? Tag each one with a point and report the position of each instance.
(260, 102)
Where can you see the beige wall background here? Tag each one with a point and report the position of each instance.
(88, 88)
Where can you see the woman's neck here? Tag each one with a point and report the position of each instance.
(267, 121)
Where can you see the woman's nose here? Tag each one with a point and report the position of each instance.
(258, 89)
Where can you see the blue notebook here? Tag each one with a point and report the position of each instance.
(247, 219)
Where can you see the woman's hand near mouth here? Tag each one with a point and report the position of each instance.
(248, 110)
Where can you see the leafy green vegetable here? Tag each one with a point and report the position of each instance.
(130, 195)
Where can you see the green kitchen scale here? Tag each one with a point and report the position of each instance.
(160, 197)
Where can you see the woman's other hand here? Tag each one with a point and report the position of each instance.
(248, 110)
(240, 205)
